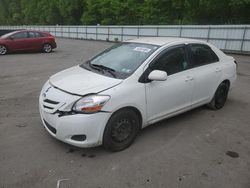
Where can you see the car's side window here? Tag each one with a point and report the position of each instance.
(20, 35)
(173, 61)
(38, 35)
(43, 34)
(32, 35)
(202, 55)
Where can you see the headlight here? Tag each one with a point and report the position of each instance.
(91, 103)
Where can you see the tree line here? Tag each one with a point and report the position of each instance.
(123, 12)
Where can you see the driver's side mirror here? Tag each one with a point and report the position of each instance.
(11, 38)
(157, 75)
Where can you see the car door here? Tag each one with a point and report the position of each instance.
(19, 41)
(174, 94)
(34, 40)
(207, 72)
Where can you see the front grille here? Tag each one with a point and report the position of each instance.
(50, 101)
(50, 105)
(52, 129)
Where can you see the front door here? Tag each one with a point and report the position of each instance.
(174, 94)
(19, 41)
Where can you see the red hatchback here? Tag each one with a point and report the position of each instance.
(27, 40)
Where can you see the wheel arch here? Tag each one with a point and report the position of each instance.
(5, 45)
(136, 110)
(45, 42)
(226, 81)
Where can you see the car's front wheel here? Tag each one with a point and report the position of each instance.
(121, 130)
(47, 48)
(3, 50)
(220, 97)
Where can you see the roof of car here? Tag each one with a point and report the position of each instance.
(160, 41)
(30, 30)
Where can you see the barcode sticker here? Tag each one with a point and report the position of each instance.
(141, 49)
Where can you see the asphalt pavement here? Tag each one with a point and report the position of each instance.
(198, 149)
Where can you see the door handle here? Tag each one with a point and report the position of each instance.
(189, 78)
(218, 70)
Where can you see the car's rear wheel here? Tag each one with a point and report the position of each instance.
(220, 97)
(121, 130)
(47, 48)
(3, 50)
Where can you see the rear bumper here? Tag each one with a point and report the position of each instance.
(233, 81)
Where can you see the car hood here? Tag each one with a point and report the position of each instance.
(79, 81)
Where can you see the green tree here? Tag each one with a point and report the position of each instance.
(124, 12)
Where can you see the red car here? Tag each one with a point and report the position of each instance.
(27, 40)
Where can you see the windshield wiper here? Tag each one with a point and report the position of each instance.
(102, 67)
(85, 66)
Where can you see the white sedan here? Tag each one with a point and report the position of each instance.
(111, 97)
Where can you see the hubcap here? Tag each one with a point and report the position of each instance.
(121, 130)
(47, 48)
(3, 50)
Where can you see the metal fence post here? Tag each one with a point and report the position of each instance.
(226, 41)
(69, 31)
(96, 32)
(86, 31)
(138, 32)
(77, 35)
(243, 38)
(180, 31)
(208, 33)
(122, 35)
(157, 31)
(108, 33)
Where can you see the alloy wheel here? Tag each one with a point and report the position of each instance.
(3, 50)
(47, 48)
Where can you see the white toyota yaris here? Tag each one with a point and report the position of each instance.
(108, 99)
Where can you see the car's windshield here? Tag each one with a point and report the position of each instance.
(8, 35)
(123, 59)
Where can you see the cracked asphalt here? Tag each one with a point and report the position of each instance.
(200, 148)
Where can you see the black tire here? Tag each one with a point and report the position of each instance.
(47, 48)
(220, 97)
(3, 50)
(121, 130)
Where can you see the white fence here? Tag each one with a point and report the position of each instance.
(234, 38)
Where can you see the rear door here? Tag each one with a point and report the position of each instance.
(35, 40)
(207, 72)
(174, 94)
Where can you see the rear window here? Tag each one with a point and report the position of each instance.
(202, 55)
(44, 34)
